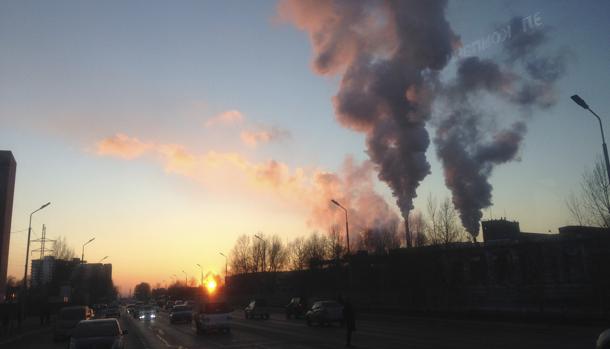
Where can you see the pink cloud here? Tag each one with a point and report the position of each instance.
(225, 118)
(123, 146)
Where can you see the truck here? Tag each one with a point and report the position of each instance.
(213, 316)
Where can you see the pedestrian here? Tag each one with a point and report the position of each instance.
(350, 321)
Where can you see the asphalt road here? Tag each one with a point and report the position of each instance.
(277, 332)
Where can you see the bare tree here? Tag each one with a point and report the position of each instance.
(444, 227)
(418, 227)
(277, 255)
(297, 254)
(61, 250)
(592, 205)
(258, 253)
(336, 244)
(240, 255)
(316, 248)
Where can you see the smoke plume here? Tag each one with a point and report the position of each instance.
(388, 54)
(469, 140)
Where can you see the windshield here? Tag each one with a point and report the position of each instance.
(72, 314)
(97, 329)
(431, 173)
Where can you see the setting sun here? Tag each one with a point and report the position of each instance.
(210, 284)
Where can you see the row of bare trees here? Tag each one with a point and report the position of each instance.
(269, 253)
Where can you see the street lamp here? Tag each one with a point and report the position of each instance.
(82, 256)
(186, 279)
(346, 223)
(584, 105)
(264, 249)
(226, 266)
(27, 252)
(103, 259)
(200, 267)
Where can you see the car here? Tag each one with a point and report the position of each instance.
(113, 312)
(603, 341)
(325, 312)
(297, 307)
(213, 316)
(146, 312)
(257, 308)
(181, 313)
(99, 333)
(68, 318)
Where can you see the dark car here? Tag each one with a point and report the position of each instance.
(146, 312)
(98, 334)
(297, 307)
(325, 312)
(257, 308)
(181, 313)
(68, 318)
(113, 312)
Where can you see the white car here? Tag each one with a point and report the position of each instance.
(213, 317)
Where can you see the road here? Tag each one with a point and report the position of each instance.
(277, 332)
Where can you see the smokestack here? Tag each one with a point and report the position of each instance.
(408, 233)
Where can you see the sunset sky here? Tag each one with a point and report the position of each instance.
(167, 129)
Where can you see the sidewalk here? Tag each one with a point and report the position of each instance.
(29, 326)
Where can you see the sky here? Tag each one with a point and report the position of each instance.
(167, 129)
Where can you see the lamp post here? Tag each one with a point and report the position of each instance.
(175, 277)
(103, 259)
(226, 266)
(264, 249)
(584, 105)
(82, 256)
(200, 267)
(346, 223)
(186, 279)
(27, 252)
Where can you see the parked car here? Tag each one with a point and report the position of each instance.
(213, 316)
(297, 307)
(146, 312)
(325, 312)
(68, 318)
(101, 333)
(181, 313)
(113, 312)
(257, 308)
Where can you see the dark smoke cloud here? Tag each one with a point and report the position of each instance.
(388, 53)
(467, 146)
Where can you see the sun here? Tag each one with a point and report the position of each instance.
(210, 284)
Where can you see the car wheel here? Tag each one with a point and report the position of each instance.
(246, 316)
(266, 316)
(308, 322)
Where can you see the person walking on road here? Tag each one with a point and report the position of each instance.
(350, 321)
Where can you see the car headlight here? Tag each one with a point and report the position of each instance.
(152, 316)
(141, 316)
